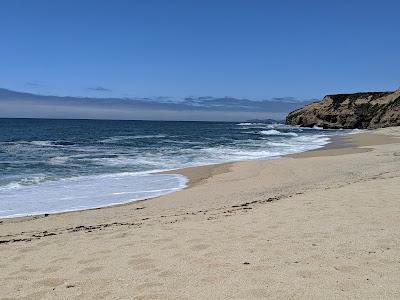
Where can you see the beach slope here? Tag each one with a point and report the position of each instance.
(318, 225)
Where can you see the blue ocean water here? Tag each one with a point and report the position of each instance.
(60, 165)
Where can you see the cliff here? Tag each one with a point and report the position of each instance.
(361, 110)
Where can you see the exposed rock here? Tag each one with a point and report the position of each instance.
(360, 110)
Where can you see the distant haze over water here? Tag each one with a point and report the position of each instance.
(25, 105)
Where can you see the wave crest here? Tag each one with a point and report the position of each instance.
(276, 132)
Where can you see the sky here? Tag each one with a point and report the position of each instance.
(245, 49)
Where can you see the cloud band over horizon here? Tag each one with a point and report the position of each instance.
(25, 105)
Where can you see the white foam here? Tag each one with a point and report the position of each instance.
(355, 131)
(58, 160)
(276, 132)
(42, 143)
(218, 154)
(23, 182)
(12, 185)
(256, 126)
(259, 124)
(86, 192)
(129, 137)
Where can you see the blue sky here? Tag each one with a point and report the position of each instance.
(251, 49)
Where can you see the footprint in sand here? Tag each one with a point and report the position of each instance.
(27, 249)
(346, 269)
(137, 261)
(90, 270)
(61, 259)
(305, 274)
(163, 240)
(200, 247)
(87, 261)
(52, 269)
(256, 293)
(142, 263)
(140, 255)
(157, 296)
(147, 286)
(165, 274)
(51, 282)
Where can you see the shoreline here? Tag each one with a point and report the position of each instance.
(197, 175)
(267, 229)
(337, 145)
(193, 174)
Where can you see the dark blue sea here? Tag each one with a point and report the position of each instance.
(61, 165)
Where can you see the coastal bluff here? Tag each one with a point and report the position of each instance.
(367, 110)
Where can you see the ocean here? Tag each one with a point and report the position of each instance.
(49, 166)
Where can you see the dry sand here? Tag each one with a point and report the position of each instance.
(318, 225)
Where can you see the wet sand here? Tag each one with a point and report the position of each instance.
(320, 224)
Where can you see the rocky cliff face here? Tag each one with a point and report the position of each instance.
(360, 110)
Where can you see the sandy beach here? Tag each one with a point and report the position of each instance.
(322, 224)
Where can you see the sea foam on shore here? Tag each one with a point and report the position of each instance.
(62, 165)
(86, 192)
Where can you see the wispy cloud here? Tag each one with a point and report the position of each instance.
(33, 84)
(99, 89)
(284, 99)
